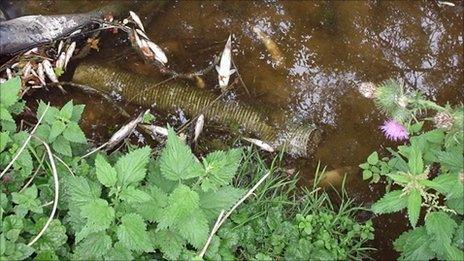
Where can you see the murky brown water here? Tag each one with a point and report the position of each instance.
(329, 48)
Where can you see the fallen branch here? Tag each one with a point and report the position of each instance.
(57, 188)
(223, 219)
(25, 143)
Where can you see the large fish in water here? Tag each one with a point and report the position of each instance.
(299, 141)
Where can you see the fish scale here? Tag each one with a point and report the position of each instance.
(170, 96)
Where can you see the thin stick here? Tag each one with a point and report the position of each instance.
(47, 204)
(33, 176)
(240, 78)
(95, 150)
(57, 189)
(203, 251)
(64, 163)
(25, 143)
(249, 193)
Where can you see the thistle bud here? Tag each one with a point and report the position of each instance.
(443, 120)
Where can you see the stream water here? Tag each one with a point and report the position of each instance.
(329, 48)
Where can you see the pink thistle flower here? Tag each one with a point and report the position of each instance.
(394, 130)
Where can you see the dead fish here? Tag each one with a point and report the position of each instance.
(69, 53)
(61, 60)
(335, 177)
(60, 46)
(41, 74)
(137, 39)
(27, 69)
(8, 73)
(270, 45)
(224, 71)
(141, 33)
(47, 66)
(137, 20)
(160, 56)
(75, 32)
(445, 3)
(261, 144)
(124, 131)
(199, 127)
(156, 130)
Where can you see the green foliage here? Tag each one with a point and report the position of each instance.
(430, 172)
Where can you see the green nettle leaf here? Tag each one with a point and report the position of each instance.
(74, 133)
(57, 128)
(51, 114)
(131, 168)
(106, 174)
(119, 252)
(220, 167)
(181, 204)
(132, 195)
(440, 226)
(67, 110)
(77, 112)
(95, 246)
(367, 174)
(169, 242)
(28, 199)
(9, 91)
(414, 245)
(99, 215)
(12, 226)
(195, 229)
(54, 236)
(373, 159)
(22, 251)
(132, 233)
(5, 115)
(415, 162)
(398, 178)
(414, 206)
(4, 140)
(151, 210)
(82, 192)
(177, 160)
(62, 146)
(391, 202)
(46, 255)
(212, 202)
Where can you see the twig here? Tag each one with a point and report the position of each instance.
(47, 204)
(218, 225)
(25, 143)
(203, 251)
(95, 150)
(64, 163)
(57, 188)
(33, 175)
(241, 79)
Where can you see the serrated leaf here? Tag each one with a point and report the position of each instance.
(9, 91)
(43, 131)
(77, 112)
(181, 204)
(82, 191)
(46, 255)
(119, 252)
(99, 216)
(151, 210)
(28, 199)
(456, 204)
(390, 202)
(132, 233)
(195, 229)
(62, 146)
(54, 236)
(220, 167)
(4, 140)
(94, 246)
(177, 161)
(212, 202)
(170, 243)
(373, 159)
(22, 251)
(57, 128)
(131, 168)
(67, 110)
(132, 195)
(398, 178)
(106, 174)
(414, 245)
(415, 162)
(51, 114)
(74, 133)
(440, 226)
(414, 206)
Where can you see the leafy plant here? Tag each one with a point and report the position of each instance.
(426, 174)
